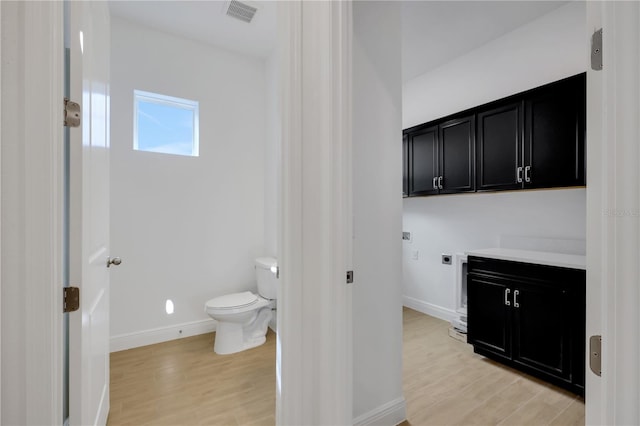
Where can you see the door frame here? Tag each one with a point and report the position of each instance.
(314, 368)
(1, 240)
(316, 384)
(613, 214)
(32, 210)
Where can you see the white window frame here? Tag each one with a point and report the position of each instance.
(156, 98)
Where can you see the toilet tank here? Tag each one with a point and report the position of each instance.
(266, 277)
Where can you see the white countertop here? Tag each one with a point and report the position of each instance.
(562, 260)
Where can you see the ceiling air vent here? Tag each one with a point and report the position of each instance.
(241, 11)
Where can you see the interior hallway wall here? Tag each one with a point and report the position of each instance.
(545, 50)
(187, 228)
(377, 209)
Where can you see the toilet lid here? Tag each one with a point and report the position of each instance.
(232, 301)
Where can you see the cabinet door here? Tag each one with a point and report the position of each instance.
(554, 135)
(423, 161)
(489, 327)
(405, 165)
(542, 328)
(457, 155)
(499, 154)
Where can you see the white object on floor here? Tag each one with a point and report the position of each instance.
(457, 335)
(243, 318)
(460, 323)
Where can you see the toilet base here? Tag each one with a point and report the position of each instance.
(233, 337)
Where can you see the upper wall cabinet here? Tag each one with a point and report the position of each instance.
(554, 135)
(405, 165)
(457, 155)
(440, 158)
(534, 139)
(500, 147)
(423, 164)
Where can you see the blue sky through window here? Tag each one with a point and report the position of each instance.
(166, 125)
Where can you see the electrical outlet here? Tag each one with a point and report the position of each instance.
(446, 259)
(414, 254)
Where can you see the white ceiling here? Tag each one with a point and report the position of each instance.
(206, 21)
(434, 32)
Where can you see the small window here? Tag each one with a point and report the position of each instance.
(165, 124)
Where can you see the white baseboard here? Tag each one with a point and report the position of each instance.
(389, 414)
(429, 309)
(162, 334)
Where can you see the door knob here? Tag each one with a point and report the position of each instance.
(115, 261)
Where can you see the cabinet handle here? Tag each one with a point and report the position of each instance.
(440, 182)
(506, 296)
(519, 174)
(515, 299)
(527, 174)
(435, 185)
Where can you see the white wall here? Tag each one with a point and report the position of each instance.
(187, 229)
(545, 50)
(272, 158)
(377, 208)
(458, 223)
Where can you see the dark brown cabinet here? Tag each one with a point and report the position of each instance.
(441, 158)
(531, 317)
(423, 161)
(541, 332)
(535, 139)
(554, 135)
(405, 165)
(492, 313)
(457, 155)
(500, 138)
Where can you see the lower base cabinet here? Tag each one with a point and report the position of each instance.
(530, 317)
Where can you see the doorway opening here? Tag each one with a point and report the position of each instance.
(482, 52)
(189, 227)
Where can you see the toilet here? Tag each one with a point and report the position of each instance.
(242, 318)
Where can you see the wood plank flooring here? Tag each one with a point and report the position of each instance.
(183, 382)
(445, 383)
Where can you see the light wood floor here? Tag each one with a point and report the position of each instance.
(183, 382)
(445, 383)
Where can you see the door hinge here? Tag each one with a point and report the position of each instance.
(71, 113)
(595, 354)
(349, 277)
(596, 50)
(71, 299)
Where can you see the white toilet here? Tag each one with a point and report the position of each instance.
(243, 318)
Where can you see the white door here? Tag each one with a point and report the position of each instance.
(89, 214)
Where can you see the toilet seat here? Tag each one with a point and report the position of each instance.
(235, 303)
(232, 301)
